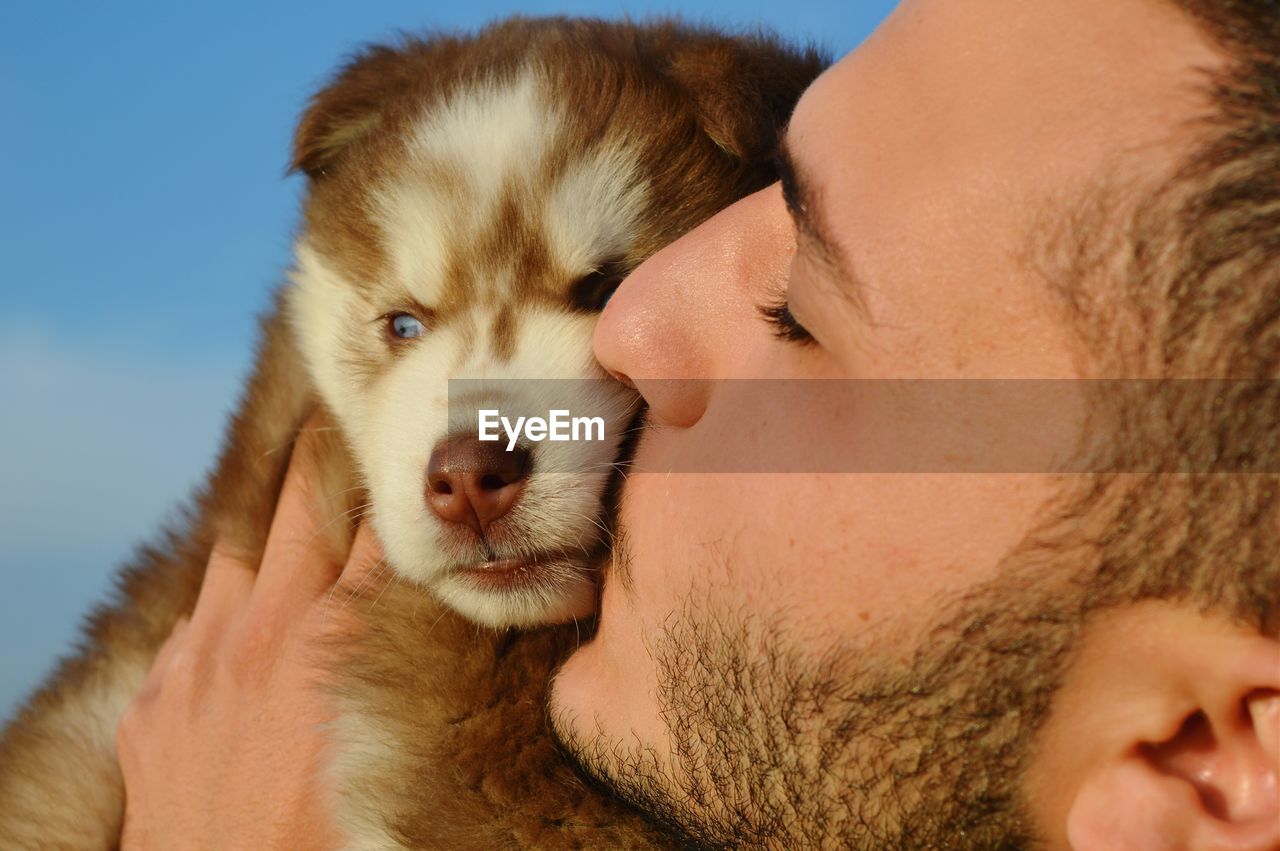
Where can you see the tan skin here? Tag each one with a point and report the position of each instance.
(930, 145)
(223, 745)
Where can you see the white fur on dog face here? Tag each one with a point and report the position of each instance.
(321, 304)
(592, 211)
(557, 511)
(492, 142)
(490, 138)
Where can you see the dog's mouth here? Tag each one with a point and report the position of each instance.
(527, 590)
(502, 579)
(526, 572)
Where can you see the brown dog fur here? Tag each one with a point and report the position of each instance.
(472, 765)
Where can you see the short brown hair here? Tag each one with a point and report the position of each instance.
(1185, 285)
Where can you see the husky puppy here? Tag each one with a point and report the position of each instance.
(471, 202)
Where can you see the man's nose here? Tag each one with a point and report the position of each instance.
(472, 482)
(690, 313)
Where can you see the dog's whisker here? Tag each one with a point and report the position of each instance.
(434, 624)
(371, 576)
(386, 583)
(294, 439)
(351, 489)
(356, 513)
(351, 592)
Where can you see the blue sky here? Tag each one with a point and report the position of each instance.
(144, 218)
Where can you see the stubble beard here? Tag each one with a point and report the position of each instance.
(773, 748)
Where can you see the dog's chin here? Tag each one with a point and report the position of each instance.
(521, 592)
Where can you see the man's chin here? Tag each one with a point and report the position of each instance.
(581, 701)
(572, 691)
(621, 767)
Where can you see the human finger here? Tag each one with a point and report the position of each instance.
(160, 664)
(228, 582)
(362, 575)
(297, 563)
(365, 559)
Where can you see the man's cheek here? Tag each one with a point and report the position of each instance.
(788, 551)
(701, 540)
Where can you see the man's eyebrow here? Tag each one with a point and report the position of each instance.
(804, 203)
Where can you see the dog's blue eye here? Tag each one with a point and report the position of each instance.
(406, 327)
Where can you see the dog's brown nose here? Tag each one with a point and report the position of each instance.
(474, 482)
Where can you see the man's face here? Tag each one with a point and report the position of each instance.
(758, 633)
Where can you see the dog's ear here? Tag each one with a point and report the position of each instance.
(352, 106)
(744, 88)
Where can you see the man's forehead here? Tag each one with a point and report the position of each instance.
(992, 100)
(1003, 83)
(931, 145)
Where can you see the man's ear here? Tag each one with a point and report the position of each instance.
(743, 89)
(1166, 735)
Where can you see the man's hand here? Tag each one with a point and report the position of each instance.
(225, 746)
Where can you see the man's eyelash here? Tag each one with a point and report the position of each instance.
(785, 326)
